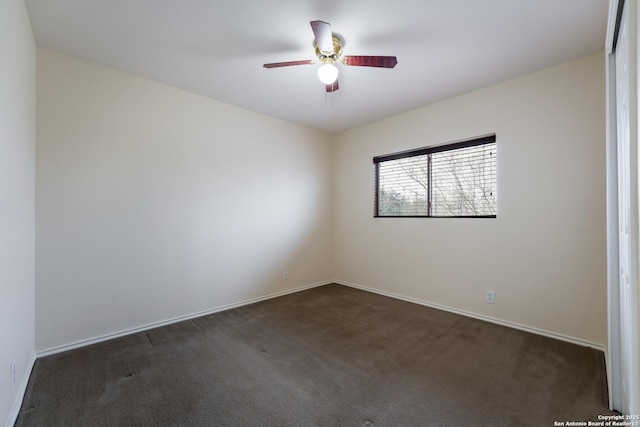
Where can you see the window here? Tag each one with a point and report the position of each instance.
(453, 180)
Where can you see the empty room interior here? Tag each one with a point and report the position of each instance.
(197, 229)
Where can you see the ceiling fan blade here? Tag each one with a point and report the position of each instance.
(332, 87)
(288, 64)
(322, 32)
(370, 61)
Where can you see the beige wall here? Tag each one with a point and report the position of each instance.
(17, 181)
(545, 254)
(155, 203)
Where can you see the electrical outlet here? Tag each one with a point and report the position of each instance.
(489, 297)
(285, 275)
(12, 374)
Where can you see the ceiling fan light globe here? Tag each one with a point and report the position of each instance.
(328, 73)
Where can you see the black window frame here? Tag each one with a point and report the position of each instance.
(483, 140)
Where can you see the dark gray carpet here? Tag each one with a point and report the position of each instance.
(329, 356)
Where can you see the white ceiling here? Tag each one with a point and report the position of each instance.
(217, 47)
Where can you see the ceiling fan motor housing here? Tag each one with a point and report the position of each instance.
(338, 43)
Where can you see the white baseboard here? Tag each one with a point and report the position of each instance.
(106, 337)
(513, 325)
(98, 339)
(15, 410)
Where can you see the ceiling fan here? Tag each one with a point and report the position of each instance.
(329, 50)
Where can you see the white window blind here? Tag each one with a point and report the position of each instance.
(454, 180)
